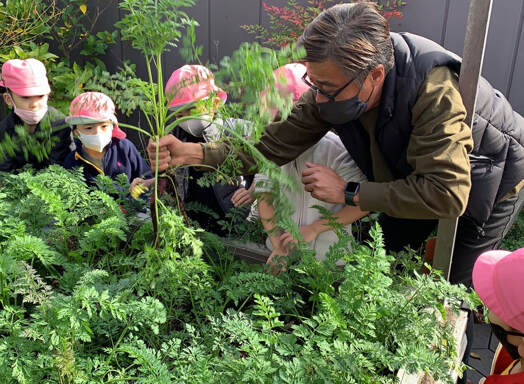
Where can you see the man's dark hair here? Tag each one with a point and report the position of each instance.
(354, 36)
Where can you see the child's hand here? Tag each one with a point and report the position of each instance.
(277, 261)
(308, 233)
(139, 186)
(242, 196)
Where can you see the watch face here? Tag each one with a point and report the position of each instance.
(352, 187)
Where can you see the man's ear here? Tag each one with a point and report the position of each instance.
(377, 75)
(7, 99)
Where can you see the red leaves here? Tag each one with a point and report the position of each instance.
(288, 22)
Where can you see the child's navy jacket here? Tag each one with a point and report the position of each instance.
(121, 157)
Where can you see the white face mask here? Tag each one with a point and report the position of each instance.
(196, 127)
(95, 142)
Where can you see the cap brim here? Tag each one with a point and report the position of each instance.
(174, 106)
(75, 120)
(221, 94)
(483, 280)
(31, 91)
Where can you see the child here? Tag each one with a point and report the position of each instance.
(101, 146)
(288, 82)
(25, 88)
(498, 280)
(329, 153)
(187, 86)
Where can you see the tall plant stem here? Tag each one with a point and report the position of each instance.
(157, 139)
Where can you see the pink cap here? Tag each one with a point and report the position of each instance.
(498, 280)
(93, 107)
(288, 81)
(25, 77)
(191, 83)
(288, 78)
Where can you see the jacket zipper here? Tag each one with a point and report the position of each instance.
(480, 159)
(79, 157)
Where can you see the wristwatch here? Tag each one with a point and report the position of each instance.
(350, 191)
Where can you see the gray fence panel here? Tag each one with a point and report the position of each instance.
(502, 42)
(172, 59)
(226, 18)
(422, 17)
(502, 38)
(440, 20)
(516, 93)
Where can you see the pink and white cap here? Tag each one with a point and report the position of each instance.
(25, 77)
(191, 83)
(498, 278)
(94, 107)
(288, 79)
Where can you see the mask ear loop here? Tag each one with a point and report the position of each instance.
(11, 98)
(371, 94)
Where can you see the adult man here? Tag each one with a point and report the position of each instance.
(393, 99)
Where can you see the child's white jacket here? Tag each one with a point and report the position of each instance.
(330, 152)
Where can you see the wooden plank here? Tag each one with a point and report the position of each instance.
(251, 253)
(472, 60)
(446, 233)
(459, 333)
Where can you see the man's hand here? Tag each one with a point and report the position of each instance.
(172, 152)
(243, 196)
(323, 183)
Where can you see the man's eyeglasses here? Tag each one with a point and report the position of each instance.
(318, 90)
(502, 331)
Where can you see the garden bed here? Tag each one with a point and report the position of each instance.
(254, 253)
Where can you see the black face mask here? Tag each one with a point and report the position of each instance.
(344, 111)
(502, 335)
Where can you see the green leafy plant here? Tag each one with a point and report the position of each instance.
(68, 81)
(513, 239)
(153, 27)
(90, 293)
(75, 30)
(38, 144)
(85, 297)
(24, 21)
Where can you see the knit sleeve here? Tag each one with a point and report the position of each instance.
(438, 152)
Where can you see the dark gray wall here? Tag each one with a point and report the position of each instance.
(443, 21)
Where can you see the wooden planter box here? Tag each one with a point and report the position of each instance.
(459, 332)
(253, 253)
